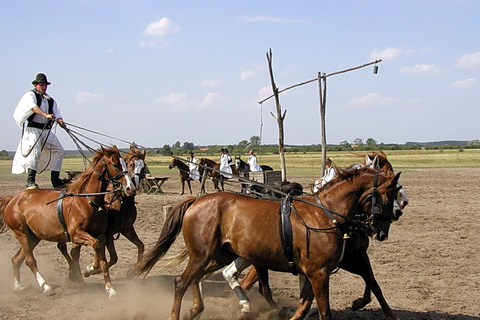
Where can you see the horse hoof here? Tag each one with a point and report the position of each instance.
(358, 304)
(111, 293)
(48, 291)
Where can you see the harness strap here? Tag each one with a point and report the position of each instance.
(60, 213)
(287, 232)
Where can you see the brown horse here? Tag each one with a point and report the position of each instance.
(184, 173)
(215, 233)
(122, 213)
(355, 259)
(35, 215)
(215, 175)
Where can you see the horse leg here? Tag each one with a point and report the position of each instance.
(74, 273)
(131, 235)
(318, 284)
(306, 299)
(198, 306)
(83, 237)
(183, 187)
(360, 264)
(231, 273)
(264, 287)
(94, 267)
(17, 261)
(26, 254)
(189, 186)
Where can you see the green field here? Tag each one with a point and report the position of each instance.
(309, 163)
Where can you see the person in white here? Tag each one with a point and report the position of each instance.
(226, 163)
(329, 174)
(39, 149)
(252, 162)
(192, 165)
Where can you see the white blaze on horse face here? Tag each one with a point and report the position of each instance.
(139, 165)
(130, 185)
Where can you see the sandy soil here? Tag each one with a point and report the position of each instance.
(427, 269)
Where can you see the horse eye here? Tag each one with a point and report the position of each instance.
(115, 166)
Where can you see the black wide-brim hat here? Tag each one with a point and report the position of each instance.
(41, 78)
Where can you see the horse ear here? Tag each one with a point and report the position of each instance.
(144, 153)
(376, 163)
(115, 149)
(395, 180)
(368, 161)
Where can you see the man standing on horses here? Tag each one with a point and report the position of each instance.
(39, 148)
(252, 162)
(192, 165)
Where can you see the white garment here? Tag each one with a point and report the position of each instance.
(252, 161)
(193, 167)
(44, 154)
(225, 163)
(328, 175)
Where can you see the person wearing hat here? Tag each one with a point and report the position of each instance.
(39, 149)
(192, 165)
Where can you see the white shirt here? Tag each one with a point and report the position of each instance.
(252, 161)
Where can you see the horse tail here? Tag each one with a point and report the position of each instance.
(4, 200)
(171, 228)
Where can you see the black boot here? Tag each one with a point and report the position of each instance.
(31, 180)
(56, 181)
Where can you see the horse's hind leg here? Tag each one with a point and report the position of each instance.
(26, 254)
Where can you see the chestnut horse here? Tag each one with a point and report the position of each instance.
(122, 213)
(355, 260)
(184, 173)
(35, 215)
(214, 231)
(215, 175)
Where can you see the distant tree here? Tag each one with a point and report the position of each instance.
(243, 143)
(344, 143)
(474, 143)
(176, 145)
(371, 142)
(255, 140)
(166, 150)
(358, 142)
(188, 146)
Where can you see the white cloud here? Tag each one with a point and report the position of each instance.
(270, 19)
(425, 69)
(391, 53)
(372, 99)
(469, 61)
(246, 74)
(159, 30)
(84, 97)
(210, 83)
(209, 101)
(467, 83)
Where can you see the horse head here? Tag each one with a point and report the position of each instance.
(135, 161)
(378, 204)
(114, 170)
(173, 164)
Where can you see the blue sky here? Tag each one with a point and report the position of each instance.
(157, 72)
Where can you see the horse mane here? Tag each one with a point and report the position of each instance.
(179, 163)
(79, 184)
(209, 162)
(133, 153)
(381, 156)
(345, 174)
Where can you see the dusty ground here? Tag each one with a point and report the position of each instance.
(428, 268)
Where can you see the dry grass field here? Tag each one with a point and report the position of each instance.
(427, 269)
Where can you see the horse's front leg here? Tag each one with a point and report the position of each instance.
(131, 235)
(319, 282)
(198, 306)
(73, 261)
(82, 237)
(104, 267)
(306, 299)
(183, 186)
(189, 187)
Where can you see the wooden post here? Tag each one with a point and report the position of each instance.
(322, 92)
(279, 118)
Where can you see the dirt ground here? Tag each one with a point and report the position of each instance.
(429, 268)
